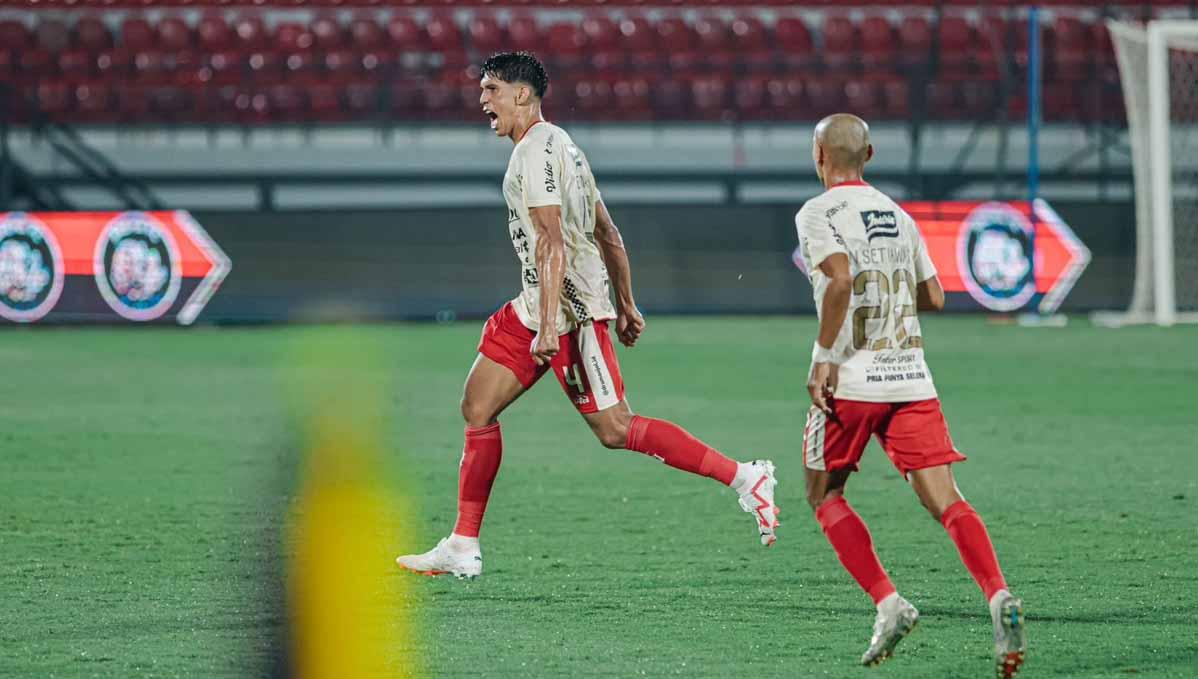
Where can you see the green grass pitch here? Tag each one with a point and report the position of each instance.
(143, 475)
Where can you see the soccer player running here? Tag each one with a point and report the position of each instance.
(870, 272)
(567, 246)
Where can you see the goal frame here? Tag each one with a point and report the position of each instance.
(1158, 36)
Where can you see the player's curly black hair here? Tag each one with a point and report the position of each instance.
(522, 67)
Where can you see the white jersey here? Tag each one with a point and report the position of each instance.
(548, 169)
(880, 342)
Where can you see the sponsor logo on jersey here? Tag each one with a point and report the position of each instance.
(512, 215)
(995, 256)
(31, 268)
(880, 224)
(550, 186)
(137, 265)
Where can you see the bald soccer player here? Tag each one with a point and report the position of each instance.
(571, 257)
(870, 272)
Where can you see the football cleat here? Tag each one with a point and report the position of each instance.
(758, 500)
(444, 559)
(1010, 640)
(896, 618)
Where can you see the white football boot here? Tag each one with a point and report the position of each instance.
(459, 557)
(896, 618)
(1010, 640)
(755, 483)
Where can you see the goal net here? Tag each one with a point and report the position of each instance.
(1158, 68)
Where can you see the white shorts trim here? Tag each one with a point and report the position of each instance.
(813, 439)
(603, 388)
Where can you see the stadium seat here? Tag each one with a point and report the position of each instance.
(601, 32)
(879, 53)
(957, 46)
(795, 46)
(405, 34)
(365, 34)
(327, 33)
(523, 34)
(842, 49)
(91, 35)
(486, 36)
(636, 34)
(52, 35)
(251, 33)
(915, 44)
(174, 34)
(14, 36)
(711, 34)
(75, 65)
(213, 33)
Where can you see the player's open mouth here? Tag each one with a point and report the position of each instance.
(494, 119)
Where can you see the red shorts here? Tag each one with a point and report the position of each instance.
(585, 363)
(914, 435)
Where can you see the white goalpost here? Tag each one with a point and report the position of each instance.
(1158, 68)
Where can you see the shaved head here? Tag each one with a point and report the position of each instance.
(844, 139)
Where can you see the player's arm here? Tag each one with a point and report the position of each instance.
(929, 295)
(550, 258)
(629, 322)
(822, 381)
(826, 251)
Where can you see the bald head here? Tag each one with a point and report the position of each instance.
(842, 142)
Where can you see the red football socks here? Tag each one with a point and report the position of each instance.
(854, 546)
(968, 532)
(676, 447)
(480, 464)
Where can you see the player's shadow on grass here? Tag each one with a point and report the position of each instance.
(1156, 616)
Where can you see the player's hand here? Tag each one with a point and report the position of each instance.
(629, 325)
(822, 383)
(544, 347)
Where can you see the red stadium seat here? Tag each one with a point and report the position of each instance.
(824, 96)
(878, 45)
(93, 101)
(593, 97)
(674, 35)
(75, 65)
(342, 63)
(136, 34)
(213, 33)
(361, 98)
(957, 46)
(226, 67)
(632, 97)
(405, 34)
(863, 98)
(670, 99)
(524, 34)
(293, 37)
(710, 97)
(52, 35)
(784, 98)
(91, 35)
(915, 43)
(601, 32)
(14, 35)
(711, 34)
(174, 34)
(1071, 50)
(54, 98)
(749, 97)
(636, 34)
(896, 99)
(36, 64)
(794, 42)
(327, 33)
(841, 47)
(749, 33)
(486, 36)
(251, 33)
(365, 34)
(443, 34)
(992, 48)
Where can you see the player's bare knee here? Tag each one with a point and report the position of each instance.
(475, 414)
(613, 434)
(818, 496)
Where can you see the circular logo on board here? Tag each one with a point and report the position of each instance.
(137, 265)
(31, 269)
(995, 257)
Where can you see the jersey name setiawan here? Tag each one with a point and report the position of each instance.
(880, 342)
(547, 168)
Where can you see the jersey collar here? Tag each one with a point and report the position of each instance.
(855, 182)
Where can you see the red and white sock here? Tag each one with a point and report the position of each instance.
(854, 547)
(678, 448)
(968, 532)
(481, 455)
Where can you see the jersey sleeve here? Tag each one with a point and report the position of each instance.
(541, 165)
(817, 237)
(924, 269)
